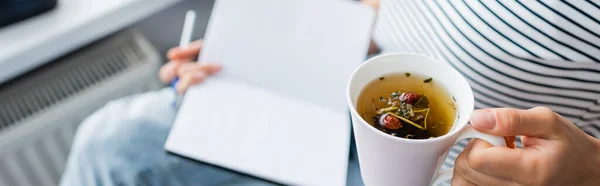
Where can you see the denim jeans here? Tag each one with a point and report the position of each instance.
(122, 144)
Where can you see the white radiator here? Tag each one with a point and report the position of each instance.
(40, 111)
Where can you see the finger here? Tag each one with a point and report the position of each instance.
(462, 168)
(499, 162)
(188, 80)
(457, 179)
(168, 71)
(185, 53)
(207, 68)
(538, 122)
(533, 142)
(372, 3)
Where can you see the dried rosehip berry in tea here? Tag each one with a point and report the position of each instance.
(391, 122)
(410, 97)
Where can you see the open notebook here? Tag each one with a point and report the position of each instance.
(278, 110)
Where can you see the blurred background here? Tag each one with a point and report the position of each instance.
(60, 60)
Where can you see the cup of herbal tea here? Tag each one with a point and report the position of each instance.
(407, 111)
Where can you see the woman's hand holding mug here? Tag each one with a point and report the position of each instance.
(555, 151)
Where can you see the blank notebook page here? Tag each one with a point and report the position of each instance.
(261, 135)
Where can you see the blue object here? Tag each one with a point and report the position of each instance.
(177, 96)
(174, 82)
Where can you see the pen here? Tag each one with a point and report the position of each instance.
(186, 38)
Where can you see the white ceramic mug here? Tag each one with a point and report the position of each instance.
(389, 160)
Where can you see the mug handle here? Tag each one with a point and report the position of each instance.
(467, 132)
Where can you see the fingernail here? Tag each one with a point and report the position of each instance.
(170, 65)
(484, 119)
(199, 75)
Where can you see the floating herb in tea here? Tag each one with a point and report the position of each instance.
(427, 80)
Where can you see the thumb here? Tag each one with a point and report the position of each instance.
(536, 122)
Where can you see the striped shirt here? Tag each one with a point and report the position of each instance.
(519, 54)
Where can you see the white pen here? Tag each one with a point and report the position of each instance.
(188, 28)
(186, 38)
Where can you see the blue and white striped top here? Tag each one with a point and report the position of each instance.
(517, 54)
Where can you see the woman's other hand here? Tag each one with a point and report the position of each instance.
(181, 65)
